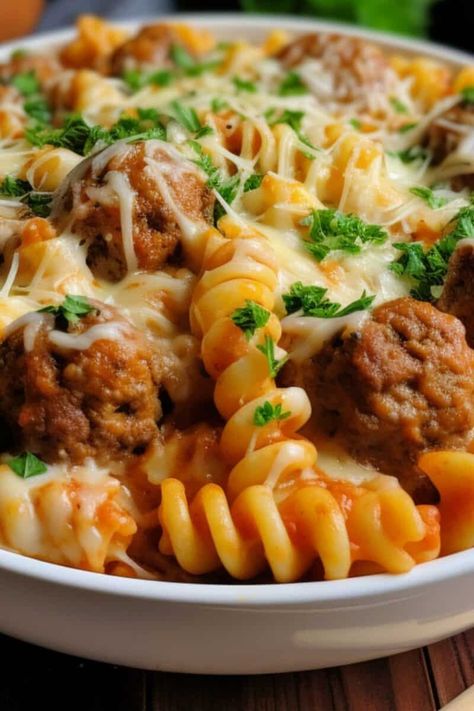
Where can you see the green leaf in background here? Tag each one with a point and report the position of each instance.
(403, 16)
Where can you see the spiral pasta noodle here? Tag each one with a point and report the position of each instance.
(268, 514)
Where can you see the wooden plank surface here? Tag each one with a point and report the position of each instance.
(421, 680)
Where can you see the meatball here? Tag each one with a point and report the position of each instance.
(402, 385)
(130, 208)
(457, 297)
(356, 66)
(446, 134)
(81, 389)
(150, 48)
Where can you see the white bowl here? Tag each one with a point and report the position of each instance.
(238, 629)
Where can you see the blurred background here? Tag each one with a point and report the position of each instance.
(446, 21)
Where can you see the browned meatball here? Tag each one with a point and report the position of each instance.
(150, 48)
(356, 65)
(70, 391)
(402, 385)
(457, 297)
(150, 173)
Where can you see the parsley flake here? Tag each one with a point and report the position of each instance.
(292, 85)
(268, 350)
(27, 465)
(250, 317)
(253, 182)
(14, 187)
(398, 105)
(186, 116)
(409, 155)
(427, 269)
(312, 301)
(244, 85)
(407, 127)
(72, 309)
(467, 94)
(331, 230)
(269, 413)
(427, 195)
(27, 83)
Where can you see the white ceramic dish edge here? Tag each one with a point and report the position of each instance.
(242, 628)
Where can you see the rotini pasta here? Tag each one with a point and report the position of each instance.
(235, 305)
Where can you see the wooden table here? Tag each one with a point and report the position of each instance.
(422, 680)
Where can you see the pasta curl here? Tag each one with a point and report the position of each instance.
(72, 520)
(453, 475)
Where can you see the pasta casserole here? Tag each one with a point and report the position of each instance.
(236, 306)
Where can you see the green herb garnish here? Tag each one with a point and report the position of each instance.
(186, 116)
(244, 85)
(331, 230)
(427, 195)
(269, 413)
(409, 155)
(268, 350)
(253, 182)
(468, 94)
(27, 465)
(407, 127)
(355, 123)
(72, 309)
(38, 202)
(398, 105)
(292, 85)
(38, 109)
(250, 317)
(427, 269)
(14, 187)
(27, 83)
(312, 301)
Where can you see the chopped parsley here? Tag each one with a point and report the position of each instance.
(355, 123)
(72, 309)
(226, 187)
(427, 195)
(407, 127)
(312, 301)
(78, 136)
(27, 465)
(409, 155)
(253, 182)
(136, 79)
(292, 85)
(268, 350)
(398, 105)
(269, 413)
(38, 109)
(250, 317)
(186, 62)
(181, 57)
(38, 202)
(293, 119)
(331, 230)
(217, 104)
(26, 83)
(427, 268)
(205, 130)
(186, 116)
(244, 85)
(14, 187)
(467, 94)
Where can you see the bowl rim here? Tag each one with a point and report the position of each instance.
(346, 591)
